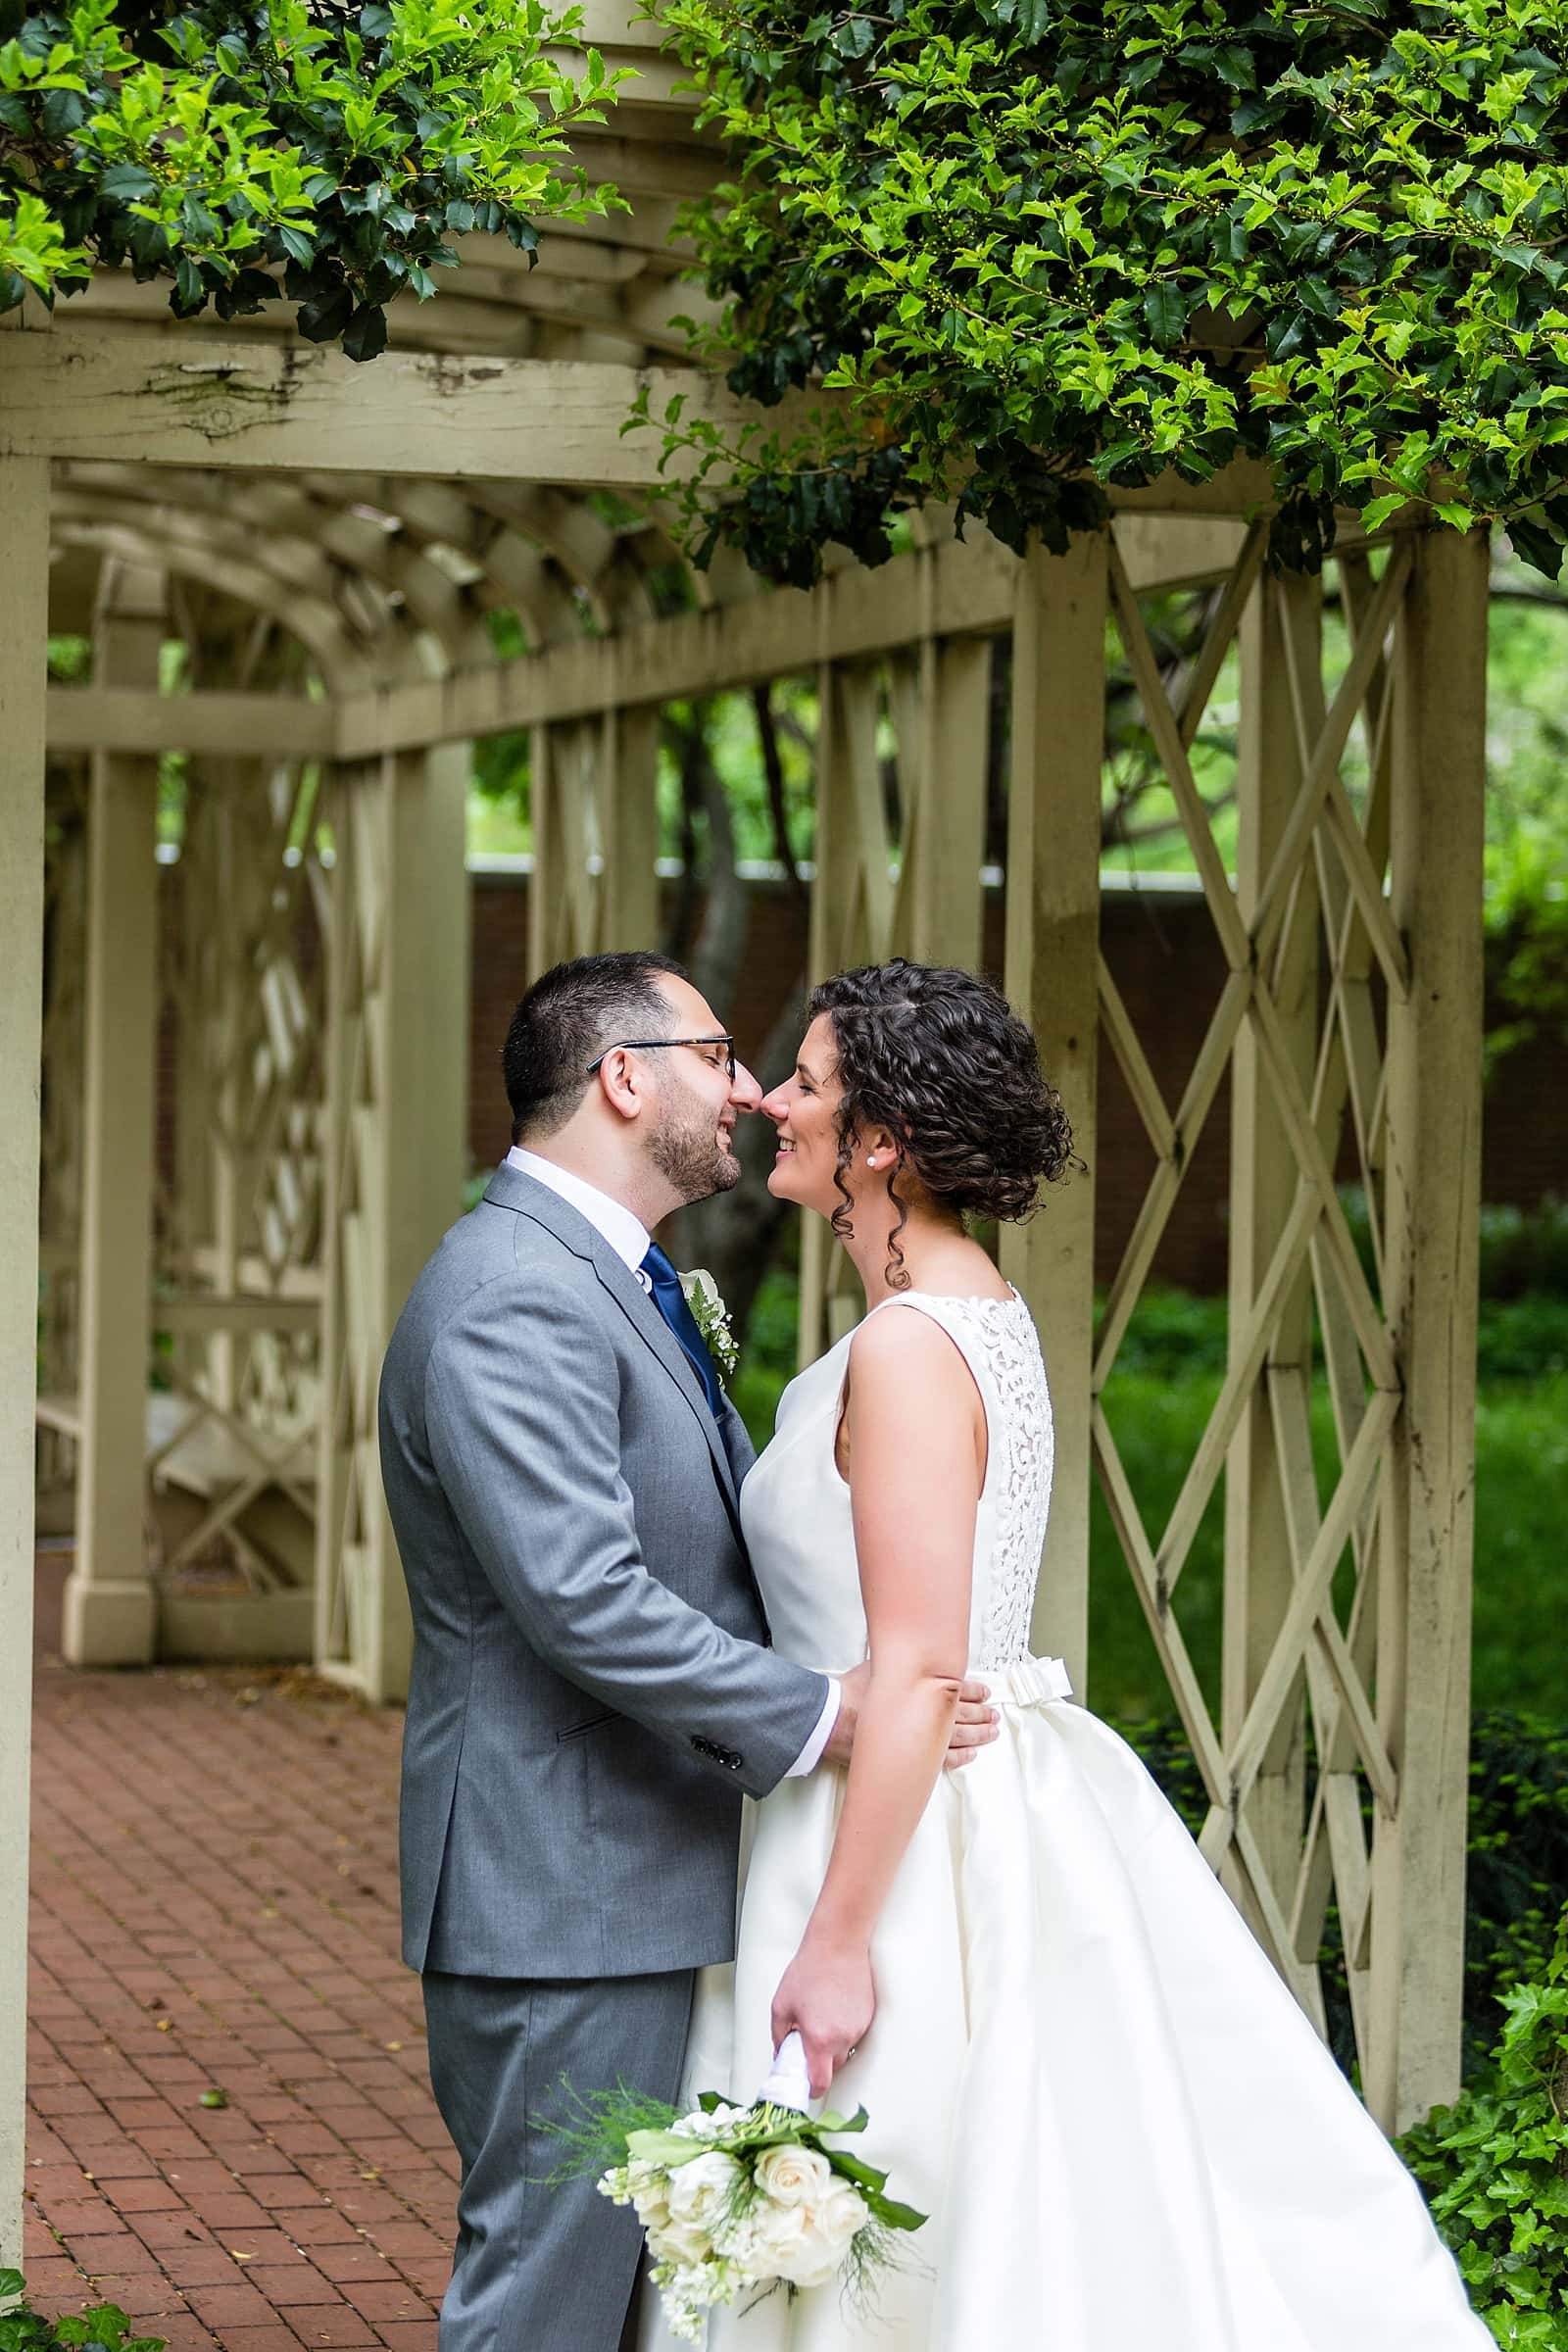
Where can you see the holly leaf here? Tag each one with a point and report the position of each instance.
(1165, 313)
(365, 336)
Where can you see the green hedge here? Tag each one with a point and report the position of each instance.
(1494, 2167)
(103, 2328)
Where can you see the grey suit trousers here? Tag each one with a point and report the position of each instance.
(537, 2269)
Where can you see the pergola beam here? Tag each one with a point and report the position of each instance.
(863, 614)
(859, 614)
(133, 719)
(215, 400)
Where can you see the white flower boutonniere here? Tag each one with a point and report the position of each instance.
(711, 1317)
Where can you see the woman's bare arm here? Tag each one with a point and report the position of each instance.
(917, 1441)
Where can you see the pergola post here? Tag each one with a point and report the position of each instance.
(630, 823)
(1259, 1574)
(1051, 961)
(396, 1123)
(945, 902)
(111, 1605)
(24, 605)
(1433, 1161)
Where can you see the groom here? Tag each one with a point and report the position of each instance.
(591, 1689)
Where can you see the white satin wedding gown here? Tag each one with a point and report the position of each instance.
(1126, 2135)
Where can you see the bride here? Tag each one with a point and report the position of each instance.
(1076, 2059)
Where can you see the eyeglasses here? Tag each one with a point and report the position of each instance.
(651, 1045)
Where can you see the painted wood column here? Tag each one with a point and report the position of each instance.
(1433, 1082)
(396, 1158)
(23, 610)
(629, 821)
(947, 910)
(1259, 1576)
(1051, 967)
(111, 1606)
(852, 913)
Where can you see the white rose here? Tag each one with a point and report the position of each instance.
(829, 2226)
(681, 2243)
(793, 2176)
(775, 2233)
(841, 2215)
(652, 2206)
(702, 2192)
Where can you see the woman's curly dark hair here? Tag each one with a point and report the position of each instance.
(939, 1057)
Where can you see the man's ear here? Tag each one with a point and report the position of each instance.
(624, 1083)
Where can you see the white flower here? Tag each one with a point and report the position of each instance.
(701, 2194)
(830, 2224)
(681, 2243)
(793, 2176)
(711, 1317)
(648, 2188)
(724, 2117)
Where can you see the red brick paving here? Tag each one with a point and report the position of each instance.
(214, 1907)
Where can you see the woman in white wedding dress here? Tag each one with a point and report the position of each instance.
(1075, 2057)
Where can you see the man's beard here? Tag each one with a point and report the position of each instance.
(686, 1150)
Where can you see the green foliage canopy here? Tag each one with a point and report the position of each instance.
(1046, 246)
(292, 148)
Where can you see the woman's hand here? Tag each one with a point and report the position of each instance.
(828, 1997)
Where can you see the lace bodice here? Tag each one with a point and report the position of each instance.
(795, 1506)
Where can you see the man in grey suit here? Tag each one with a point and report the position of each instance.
(591, 1689)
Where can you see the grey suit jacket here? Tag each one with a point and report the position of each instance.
(589, 1694)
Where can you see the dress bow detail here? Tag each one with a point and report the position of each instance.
(1030, 1682)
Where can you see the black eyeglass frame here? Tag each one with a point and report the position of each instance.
(648, 1045)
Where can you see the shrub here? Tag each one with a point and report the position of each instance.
(1494, 2167)
(105, 2329)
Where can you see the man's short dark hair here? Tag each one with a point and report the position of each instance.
(567, 1019)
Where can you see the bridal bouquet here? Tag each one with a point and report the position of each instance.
(738, 2197)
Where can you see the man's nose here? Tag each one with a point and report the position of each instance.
(744, 1091)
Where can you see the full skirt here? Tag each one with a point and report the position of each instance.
(1126, 2135)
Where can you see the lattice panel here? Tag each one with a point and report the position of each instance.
(240, 1227)
(1309, 948)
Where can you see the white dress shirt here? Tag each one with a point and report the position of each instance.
(629, 1238)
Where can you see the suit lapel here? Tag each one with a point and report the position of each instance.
(510, 1188)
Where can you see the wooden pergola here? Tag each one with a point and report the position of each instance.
(324, 542)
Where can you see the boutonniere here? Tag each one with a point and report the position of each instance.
(711, 1317)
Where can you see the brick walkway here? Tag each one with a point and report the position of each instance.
(215, 1910)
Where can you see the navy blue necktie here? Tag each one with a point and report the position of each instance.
(671, 1300)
